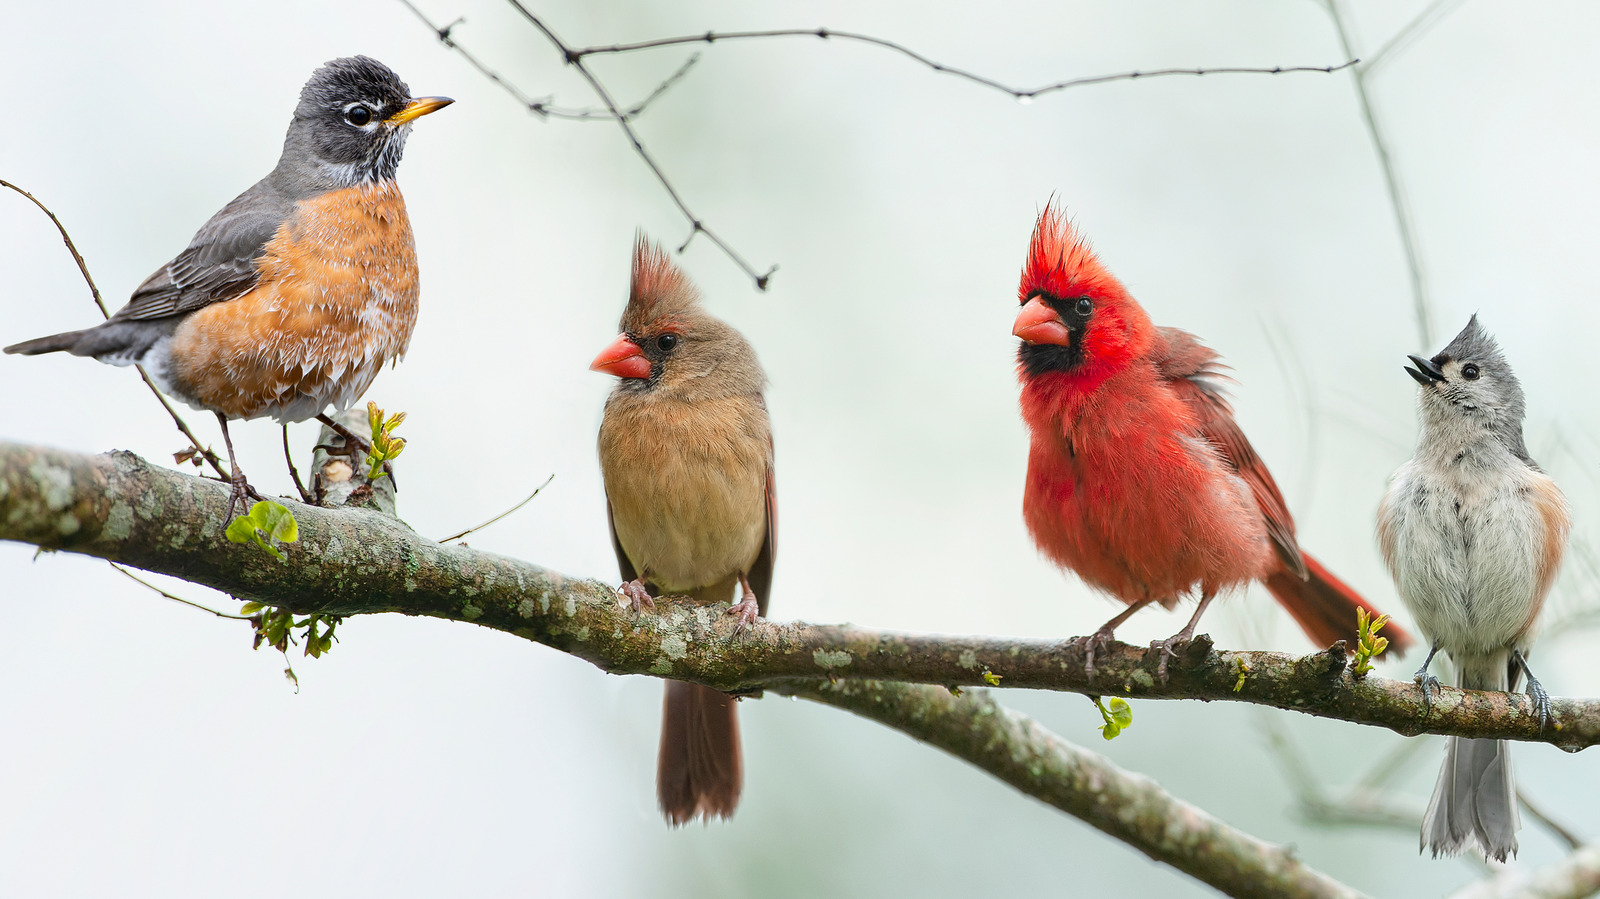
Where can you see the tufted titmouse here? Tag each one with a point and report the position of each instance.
(1473, 531)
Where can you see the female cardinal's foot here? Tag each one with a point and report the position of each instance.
(748, 608)
(638, 595)
(1536, 691)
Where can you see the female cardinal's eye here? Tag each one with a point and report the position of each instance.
(1469, 371)
(1084, 306)
(358, 115)
(666, 342)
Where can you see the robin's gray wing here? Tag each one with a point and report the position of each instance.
(220, 263)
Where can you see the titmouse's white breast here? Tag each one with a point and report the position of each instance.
(1465, 538)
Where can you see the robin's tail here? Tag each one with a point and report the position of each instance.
(55, 343)
(700, 770)
(116, 342)
(1325, 607)
(1476, 798)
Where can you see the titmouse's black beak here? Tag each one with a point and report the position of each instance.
(1426, 372)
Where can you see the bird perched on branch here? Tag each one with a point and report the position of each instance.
(686, 454)
(1473, 532)
(1139, 479)
(292, 297)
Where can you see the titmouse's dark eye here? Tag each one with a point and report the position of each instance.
(1084, 306)
(358, 115)
(1469, 371)
(666, 342)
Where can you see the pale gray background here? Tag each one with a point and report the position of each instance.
(148, 752)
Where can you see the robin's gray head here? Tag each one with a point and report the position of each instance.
(1469, 388)
(351, 125)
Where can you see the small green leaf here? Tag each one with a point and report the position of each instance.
(250, 608)
(241, 529)
(1121, 712)
(990, 678)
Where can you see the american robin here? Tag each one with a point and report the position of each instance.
(292, 297)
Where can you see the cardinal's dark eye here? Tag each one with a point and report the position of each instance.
(1084, 306)
(358, 115)
(666, 342)
(1469, 371)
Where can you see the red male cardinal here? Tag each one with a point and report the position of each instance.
(1139, 479)
(686, 453)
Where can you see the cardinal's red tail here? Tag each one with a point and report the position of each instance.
(1325, 607)
(700, 770)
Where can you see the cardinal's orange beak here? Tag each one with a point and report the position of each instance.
(1038, 323)
(622, 358)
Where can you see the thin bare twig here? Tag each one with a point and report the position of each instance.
(502, 514)
(188, 602)
(94, 291)
(1429, 17)
(544, 108)
(1020, 93)
(696, 225)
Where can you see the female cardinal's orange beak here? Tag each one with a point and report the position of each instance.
(622, 358)
(1038, 323)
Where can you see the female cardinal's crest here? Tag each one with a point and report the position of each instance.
(1061, 263)
(659, 288)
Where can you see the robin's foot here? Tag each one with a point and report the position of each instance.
(1427, 682)
(1092, 644)
(242, 493)
(747, 610)
(638, 595)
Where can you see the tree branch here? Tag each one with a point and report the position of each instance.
(1574, 877)
(1131, 808)
(350, 562)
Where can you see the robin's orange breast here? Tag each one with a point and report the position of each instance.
(336, 300)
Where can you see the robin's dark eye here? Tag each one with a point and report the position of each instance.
(666, 342)
(1469, 371)
(358, 115)
(1084, 306)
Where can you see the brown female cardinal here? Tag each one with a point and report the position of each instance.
(1138, 477)
(686, 454)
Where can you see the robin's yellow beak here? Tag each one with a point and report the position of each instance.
(418, 108)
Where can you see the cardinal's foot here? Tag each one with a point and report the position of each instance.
(1092, 644)
(638, 595)
(1168, 649)
(747, 610)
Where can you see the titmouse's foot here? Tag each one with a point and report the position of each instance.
(1429, 685)
(747, 610)
(638, 595)
(1426, 681)
(1541, 702)
(1092, 644)
(1169, 647)
(1536, 692)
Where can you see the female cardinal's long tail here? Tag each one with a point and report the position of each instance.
(700, 770)
(1325, 607)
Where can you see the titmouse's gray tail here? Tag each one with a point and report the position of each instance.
(1476, 797)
